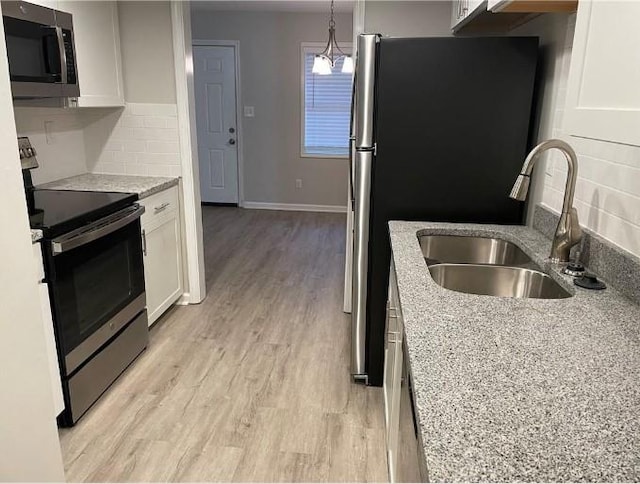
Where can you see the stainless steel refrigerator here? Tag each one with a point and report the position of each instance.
(440, 127)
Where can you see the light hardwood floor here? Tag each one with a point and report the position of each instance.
(251, 385)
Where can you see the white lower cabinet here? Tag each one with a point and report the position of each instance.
(403, 447)
(50, 341)
(392, 373)
(162, 249)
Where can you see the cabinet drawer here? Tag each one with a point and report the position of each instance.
(159, 204)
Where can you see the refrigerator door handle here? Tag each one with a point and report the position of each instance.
(352, 171)
(363, 166)
(365, 73)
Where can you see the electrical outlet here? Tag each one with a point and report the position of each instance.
(298, 182)
(249, 112)
(48, 132)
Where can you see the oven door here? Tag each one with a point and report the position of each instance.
(35, 50)
(96, 280)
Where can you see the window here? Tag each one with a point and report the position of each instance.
(326, 107)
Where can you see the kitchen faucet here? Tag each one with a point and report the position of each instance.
(568, 231)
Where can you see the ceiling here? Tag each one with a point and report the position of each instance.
(274, 5)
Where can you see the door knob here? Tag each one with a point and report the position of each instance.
(232, 141)
(232, 130)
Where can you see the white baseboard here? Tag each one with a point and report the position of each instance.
(295, 207)
(184, 300)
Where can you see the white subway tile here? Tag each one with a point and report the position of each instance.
(175, 170)
(152, 109)
(130, 121)
(135, 169)
(134, 146)
(122, 133)
(155, 121)
(172, 122)
(162, 147)
(125, 156)
(114, 145)
(156, 134)
(159, 158)
(158, 170)
(110, 168)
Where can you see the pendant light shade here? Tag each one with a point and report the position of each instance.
(324, 62)
(321, 66)
(347, 65)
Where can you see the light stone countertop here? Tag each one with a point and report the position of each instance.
(95, 182)
(519, 389)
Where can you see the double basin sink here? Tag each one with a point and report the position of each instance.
(486, 266)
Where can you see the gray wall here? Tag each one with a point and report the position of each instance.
(147, 52)
(431, 18)
(271, 82)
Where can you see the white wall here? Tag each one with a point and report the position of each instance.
(608, 188)
(414, 18)
(271, 82)
(62, 153)
(147, 52)
(29, 446)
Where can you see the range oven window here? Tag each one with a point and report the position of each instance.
(93, 282)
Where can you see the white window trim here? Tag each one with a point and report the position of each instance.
(347, 47)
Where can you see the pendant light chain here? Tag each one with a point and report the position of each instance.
(326, 61)
(332, 22)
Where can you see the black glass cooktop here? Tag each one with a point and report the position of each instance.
(59, 211)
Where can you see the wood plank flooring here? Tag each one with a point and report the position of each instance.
(251, 385)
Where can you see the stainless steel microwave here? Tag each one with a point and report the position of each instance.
(40, 50)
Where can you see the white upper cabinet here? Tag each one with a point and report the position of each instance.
(97, 41)
(464, 11)
(603, 93)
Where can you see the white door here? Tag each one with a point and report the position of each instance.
(215, 86)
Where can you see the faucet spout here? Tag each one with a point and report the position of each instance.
(568, 232)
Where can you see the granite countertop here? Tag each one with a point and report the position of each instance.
(36, 235)
(95, 182)
(519, 389)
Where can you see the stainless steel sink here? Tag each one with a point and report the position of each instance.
(492, 280)
(471, 250)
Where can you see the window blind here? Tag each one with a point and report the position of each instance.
(327, 109)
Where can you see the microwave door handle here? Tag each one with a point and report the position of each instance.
(63, 55)
(96, 230)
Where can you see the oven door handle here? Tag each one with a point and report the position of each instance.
(96, 230)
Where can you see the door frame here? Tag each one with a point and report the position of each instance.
(193, 255)
(239, 131)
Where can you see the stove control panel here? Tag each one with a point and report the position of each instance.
(27, 154)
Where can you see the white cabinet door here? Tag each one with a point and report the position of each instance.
(464, 9)
(393, 373)
(97, 41)
(162, 252)
(603, 95)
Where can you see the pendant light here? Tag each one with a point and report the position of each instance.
(324, 62)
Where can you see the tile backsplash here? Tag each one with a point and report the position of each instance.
(141, 139)
(607, 194)
(60, 149)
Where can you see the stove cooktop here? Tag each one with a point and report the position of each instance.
(59, 211)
